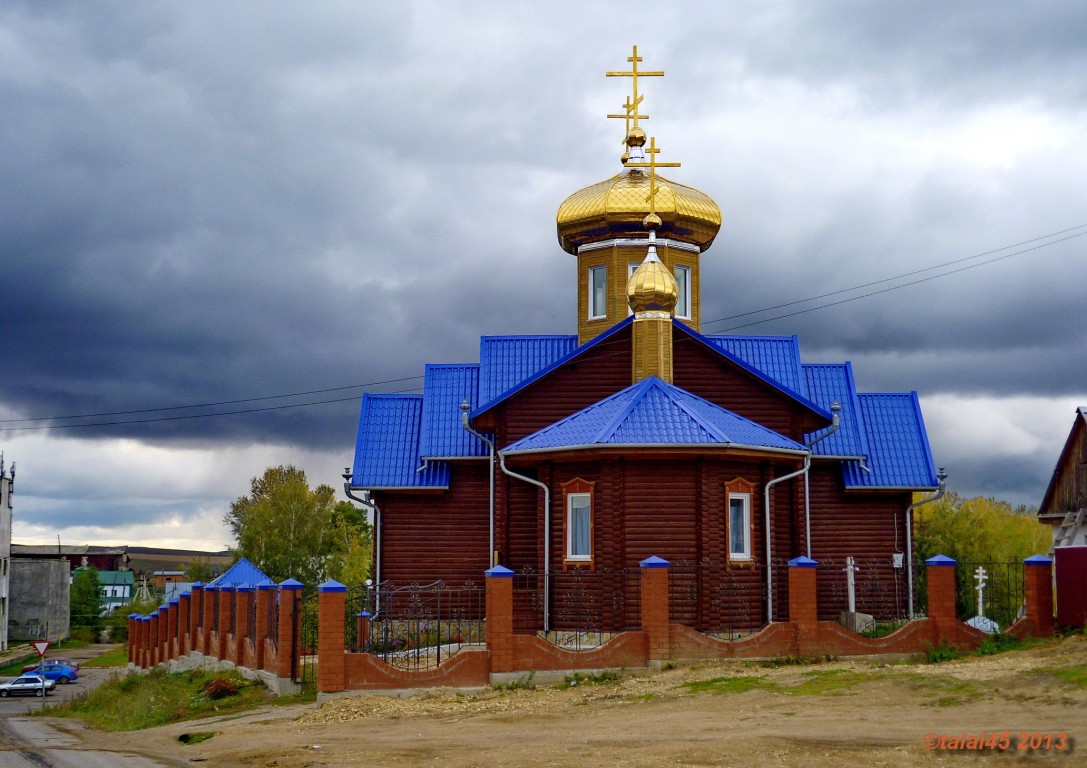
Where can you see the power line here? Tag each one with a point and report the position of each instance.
(839, 292)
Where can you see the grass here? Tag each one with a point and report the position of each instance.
(135, 702)
(737, 684)
(1075, 675)
(522, 683)
(16, 667)
(600, 678)
(815, 683)
(118, 657)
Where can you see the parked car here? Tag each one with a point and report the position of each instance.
(53, 660)
(31, 685)
(61, 673)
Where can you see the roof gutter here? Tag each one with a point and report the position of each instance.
(465, 407)
(940, 490)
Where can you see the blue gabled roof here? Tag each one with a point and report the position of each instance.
(654, 413)
(486, 405)
(441, 434)
(776, 356)
(791, 392)
(387, 449)
(827, 382)
(506, 361)
(242, 573)
(899, 453)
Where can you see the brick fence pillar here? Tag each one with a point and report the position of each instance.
(500, 618)
(1038, 575)
(656, 616)
(225, 622)
(184, 608)
(941, 596)
(196, 605)
(290, 598)
(803, 604)
(265, 597)
(145, 642)
(211, 598)
(331, 663)
(173, 632)
(133, 637)
(241, 622)
(154, 628)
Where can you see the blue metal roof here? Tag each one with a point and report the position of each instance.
(899, 454)
(441, 434)
(506, 361)
(791, 392)
(387, 450)
(827, 382)
(486, 405)
(242, 573)
(654, 413)
(776, 356)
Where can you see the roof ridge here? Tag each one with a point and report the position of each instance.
(637, 394)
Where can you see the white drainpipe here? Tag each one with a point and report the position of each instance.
(464, 408)
(942, 477)
(547, 537)
(377, 531)
(769, 561)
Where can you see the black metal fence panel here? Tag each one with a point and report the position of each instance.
(727, 600)
(305, 666)
(585, 606)
(417, 626)
(880, 589)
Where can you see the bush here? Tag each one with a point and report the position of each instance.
(220, 688)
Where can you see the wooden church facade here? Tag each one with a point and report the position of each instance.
(579, 456)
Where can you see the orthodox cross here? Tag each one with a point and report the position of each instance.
(652, 150)
(981, 578)
(850, 583)
(631, 113)
(634, 74)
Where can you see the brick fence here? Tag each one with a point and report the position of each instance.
(218, 624)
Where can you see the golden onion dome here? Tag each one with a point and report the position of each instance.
(615, 208)
(652, 288)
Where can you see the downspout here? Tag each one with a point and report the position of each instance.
(769, 562)
(464, 408)
(940, 490)
(377, 531)
(836, 409)
(547, 537)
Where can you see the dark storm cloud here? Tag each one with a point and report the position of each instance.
(208, 202)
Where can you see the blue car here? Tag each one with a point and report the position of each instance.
(61, 673)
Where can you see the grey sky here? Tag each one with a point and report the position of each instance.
(208, 202)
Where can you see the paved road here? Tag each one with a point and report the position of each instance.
(34, 743)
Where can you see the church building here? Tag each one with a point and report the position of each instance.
(640, 436)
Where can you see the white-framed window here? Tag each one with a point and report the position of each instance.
(598, 292)
(579, 521)
(683, 304)
(631, 269)
(739, 526)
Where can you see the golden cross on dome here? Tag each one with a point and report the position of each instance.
(634, 74)
(652, 150)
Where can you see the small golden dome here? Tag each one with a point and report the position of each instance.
(652, 288)
(636, 137)
(617, 206)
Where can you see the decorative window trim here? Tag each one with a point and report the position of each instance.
(683, 279)
(595, 269)
(740, 489)
(577, 489)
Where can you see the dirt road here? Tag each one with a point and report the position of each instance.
(834, 714)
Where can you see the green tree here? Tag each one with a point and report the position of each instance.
(117, 621)
(980, 531)
(290, 531)
(200, 569)
(85, 603)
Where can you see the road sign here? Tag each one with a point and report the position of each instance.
(41, 646)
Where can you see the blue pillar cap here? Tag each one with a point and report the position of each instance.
(266, 584)
(331, 586)
(145, 618)
(183, 595)
(654, 562)
(364, 614)
(154, 614)
(1038, 560)
(197, 585)
(290, 584)
(941, 560)
(803, 562)
(244, 588)
(174, 601)
(164, 607)
(498, 572)
(133, 615)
